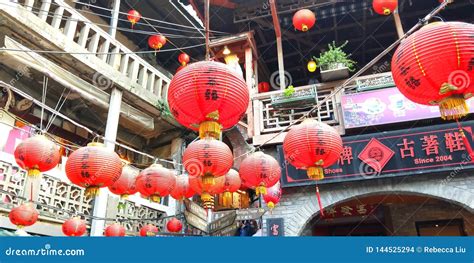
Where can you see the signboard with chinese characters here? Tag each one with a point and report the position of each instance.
(431, 149)
(349, 210)
(384, 106)
(275, 227)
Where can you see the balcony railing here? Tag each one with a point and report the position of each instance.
(67, 29)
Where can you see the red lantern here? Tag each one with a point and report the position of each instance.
(384, 7)
(37, 154)
(148, 230)
(182, 189)
(24, 215)
(312, 146)
(115, 230)
(260, 170)
(74, 227)
(208, 96)
(304, 20)
(273, 195)
(156, 41)
(183, 59)
(434, 66)
(155, 182)
(125, 185)
(133, 17)
(174, 225)
(179, 68)
(232, 183)
(93, 167)
(263, 87)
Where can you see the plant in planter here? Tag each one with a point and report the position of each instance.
(335, 63)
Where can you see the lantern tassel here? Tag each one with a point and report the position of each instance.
(453, 108)
(466, 142)
(271, 205)
(208, 181)
(155, 198)
(260, 190)
(92, 191)
(318, 196)
(227, 198)
(209, 129)
(315, 173)
(34, 173)
(207, 200)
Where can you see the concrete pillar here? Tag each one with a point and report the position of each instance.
(100, 202)
(281, 65)
(114, 18)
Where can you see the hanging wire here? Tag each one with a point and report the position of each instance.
(43, 100)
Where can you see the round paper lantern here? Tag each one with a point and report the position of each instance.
(148, 230)
(232, 183)
(260, 170)
(114, 230)
(273, 195)
(174, 225)
(156, 41)
(304, 19)
(182, 189)
(125, 185)
(133, 17)
(312, 146)
(74, 227)
(384, 7)
(434, 66)
(179, 68)
(312, 66)
(263, 87)
(37, 154)
(155, 182)
(208, 96)
(93, 167)
(207, 158)
(23, 215)
(183, 59)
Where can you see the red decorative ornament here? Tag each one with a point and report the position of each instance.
(180, 68)
(304, 19)
(232, 183)
(114, 230)
(148, 230)
(183, 59)
(74, 227)
(24, 215)
(263, 87)
(156, 41)
(37, 154)
(174, 225)
(155, 182)
(273, 195)
(208, 96)
(125, 185)
(93, 167)
(260, 170)
(182, 189)
(312, 146)
(133, 17)
(384, 7)
(435, 65)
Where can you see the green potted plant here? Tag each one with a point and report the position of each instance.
(335, 63)
(291, 98)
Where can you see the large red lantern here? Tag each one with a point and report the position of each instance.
(183, 59)
(273, 195)
(312, 146)
(24, 215)
(304, 19)
(156, 41)
(114, 230)
(37, 154)
(434, 66)
(384, 7)
(125, 185)
(155, 182)
(148, 230)
(93, 167)
(232, 183)
(208, 96)
(174, 225)
(260, 170)
(263, 87)
(182, 189)
(133, 17)
(74, 227)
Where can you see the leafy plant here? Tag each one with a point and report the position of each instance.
(164, 108)
(288, 92)
(335, 54)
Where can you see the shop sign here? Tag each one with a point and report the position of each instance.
(275, 227)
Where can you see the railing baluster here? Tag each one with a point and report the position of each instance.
(94, 43)
(71, 26)
(45, 6)
(104, 48)
(58, 16)
(124, 64)
(29, 5)
(150, 85)
(114, 60)
(83, 36)
(158, 87)
(143, 77)
(134, 70)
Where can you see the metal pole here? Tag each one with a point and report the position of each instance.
(206, 16)
(111, 128)
(281, 65)
(398, 23)
(114, 18)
